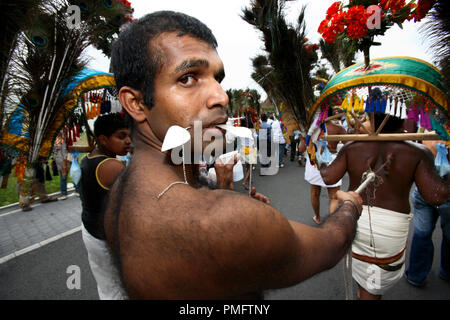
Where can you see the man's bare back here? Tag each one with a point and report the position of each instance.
(404, 163)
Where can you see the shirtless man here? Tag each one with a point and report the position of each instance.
(379, 246)
(194, 242)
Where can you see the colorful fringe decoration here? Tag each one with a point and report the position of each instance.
(21, 166)
(425, 120)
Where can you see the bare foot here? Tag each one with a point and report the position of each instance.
(316, 220)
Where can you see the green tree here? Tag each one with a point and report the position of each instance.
(239, 99)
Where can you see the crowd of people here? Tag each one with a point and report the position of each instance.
(150, 236)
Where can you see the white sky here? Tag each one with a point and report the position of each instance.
(239, 42)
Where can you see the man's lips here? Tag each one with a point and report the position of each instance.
(214, 131)
(212, 126)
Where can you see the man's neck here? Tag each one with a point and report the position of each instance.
(148, 148)
(100, 151)
(146, 143)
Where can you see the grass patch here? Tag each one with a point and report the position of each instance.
(9, 195)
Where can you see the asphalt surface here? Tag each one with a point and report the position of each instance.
(41, 251)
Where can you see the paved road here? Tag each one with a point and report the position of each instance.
(38, 247)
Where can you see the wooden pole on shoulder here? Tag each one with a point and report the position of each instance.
(383, 137)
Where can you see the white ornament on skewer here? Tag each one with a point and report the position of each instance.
(399, 109)
(404, 114)
(388, 106)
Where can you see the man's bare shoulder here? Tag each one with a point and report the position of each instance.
(407, 154)
(404, 145)
(211, 210)
(334, 128)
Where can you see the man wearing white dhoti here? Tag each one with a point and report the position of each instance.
(378, 249)
(379, 245)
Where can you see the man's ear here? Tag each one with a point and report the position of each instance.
(132, 101)
(102, 140)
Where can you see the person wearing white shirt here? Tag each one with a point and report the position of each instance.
(278, 138)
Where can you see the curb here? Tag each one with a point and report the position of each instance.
(10, 208)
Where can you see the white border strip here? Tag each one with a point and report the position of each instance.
(38, 245)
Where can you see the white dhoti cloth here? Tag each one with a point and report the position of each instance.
(101, 261)
(383, 264)
(312, 175)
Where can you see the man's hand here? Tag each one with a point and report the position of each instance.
(352, 196)
(224, 173)
(259, 196)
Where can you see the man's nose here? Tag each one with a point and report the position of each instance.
(217, 97)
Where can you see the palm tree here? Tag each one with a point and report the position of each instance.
(239, 99)
(284, 72)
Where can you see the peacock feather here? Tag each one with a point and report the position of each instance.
(437, 30)
(12, 15)
(287, 65)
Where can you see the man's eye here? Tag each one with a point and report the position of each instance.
(187, 79)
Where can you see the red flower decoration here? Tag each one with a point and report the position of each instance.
(421, 10)
(333, 9)
(353, 22)
(356, 19)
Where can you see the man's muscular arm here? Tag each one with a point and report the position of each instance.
(433, 188)
(324, 247)
(278, 252)
(230, 246)
(258, 249)
(335, 171)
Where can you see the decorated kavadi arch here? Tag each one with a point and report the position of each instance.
(403, 87)
(91, 91)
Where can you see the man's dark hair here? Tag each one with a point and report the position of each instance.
(108, 124)
(393, 124)
(135, 62)
(264, 117)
